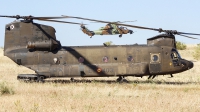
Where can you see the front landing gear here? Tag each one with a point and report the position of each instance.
(40, 79)
(31, 78)
(121, 79)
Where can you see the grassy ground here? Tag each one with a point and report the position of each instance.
(162, 94)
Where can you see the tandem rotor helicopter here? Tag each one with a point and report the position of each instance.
(36, 47)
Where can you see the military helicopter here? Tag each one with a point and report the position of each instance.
(110, 29)
(36, 47)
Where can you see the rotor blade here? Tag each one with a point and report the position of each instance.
(140, 27)
(188, 36)
(131, 21)
(48, 17)
(188, 33)
(125, 21)
(60, 21)
(8, 16)
(86, 19)
(31, 17)
(133, 26)
(117, 21)
(17, 16)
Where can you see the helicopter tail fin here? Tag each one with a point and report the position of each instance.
(87, 31)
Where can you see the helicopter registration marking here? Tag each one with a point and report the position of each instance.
(99, 70)
(104, 70)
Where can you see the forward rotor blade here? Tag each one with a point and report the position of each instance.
(60, 21)
(187, 36)
(188, 33)
(48, 17)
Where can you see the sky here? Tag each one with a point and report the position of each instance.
(180, 15)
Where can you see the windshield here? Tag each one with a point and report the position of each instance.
(175, 57)
(175, 54)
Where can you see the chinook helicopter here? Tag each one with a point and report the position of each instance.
(110, 29)
(36, 47)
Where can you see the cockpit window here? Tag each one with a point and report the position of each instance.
(175, 57)
(175, 54)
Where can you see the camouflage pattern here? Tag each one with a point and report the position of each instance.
(109, 29)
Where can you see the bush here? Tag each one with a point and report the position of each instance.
(5, 89)
(108, 43)
(180, 45)
(196, 54)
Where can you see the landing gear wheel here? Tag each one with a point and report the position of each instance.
(27, 77)
(40, 79)
(120, 35)
(121, 79)
(72, 80)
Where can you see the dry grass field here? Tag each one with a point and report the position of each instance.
(162, 94)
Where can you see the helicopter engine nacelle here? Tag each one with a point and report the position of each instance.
(47, 44)
(20, 34)
(162, 40)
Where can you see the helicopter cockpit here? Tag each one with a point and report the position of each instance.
(175, 57)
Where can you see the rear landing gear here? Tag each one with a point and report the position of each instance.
(31, 78)
(121, 79)
(72, 79)
(153, 76)
(120, 35)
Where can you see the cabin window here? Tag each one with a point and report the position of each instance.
(155, 57)
(81, 60)
(130, 58)
(105, 59)
(56, 60)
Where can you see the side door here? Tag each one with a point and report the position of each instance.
(155, 63)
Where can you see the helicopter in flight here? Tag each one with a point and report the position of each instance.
(110, 29)
(36, 47)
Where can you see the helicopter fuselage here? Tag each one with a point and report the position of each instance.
(101, 61)
(35, 46)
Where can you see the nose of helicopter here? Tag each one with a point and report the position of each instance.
(187, 64)
(190, 64)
